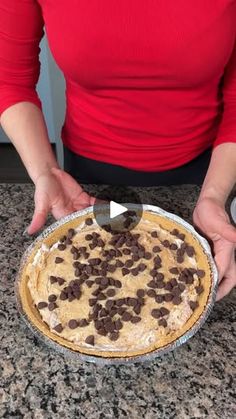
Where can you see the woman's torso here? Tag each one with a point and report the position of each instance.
(142, 77)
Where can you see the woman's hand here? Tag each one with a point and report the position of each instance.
(212, 220)
(57, 192)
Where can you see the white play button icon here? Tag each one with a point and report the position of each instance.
(121, 211)
(116, 209)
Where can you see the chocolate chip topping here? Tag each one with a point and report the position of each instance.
(52, 298)
(58, 328)
(89, 221)
(73, 324)
(174, 271)
(61, 246)
(42, 304)
(52, 279)
(114, 336)
(156, 249)
(125, 271)
(154, 234)
(58, 260)
(200, 273)
(90, 340)
(71, 233)
(177, 300)
(135, 319)
(156, 313)
(140, 292)
(162, 322)
(126, 317)
(52, 306)
(193, 305)
(199, 289)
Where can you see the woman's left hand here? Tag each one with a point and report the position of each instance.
(212, 220)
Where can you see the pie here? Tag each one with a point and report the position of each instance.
(113, 293)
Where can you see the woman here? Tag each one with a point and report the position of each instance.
(151, 89)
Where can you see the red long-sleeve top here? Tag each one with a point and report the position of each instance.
(149, 84)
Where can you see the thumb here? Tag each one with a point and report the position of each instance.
(39, 217)
(227, 231)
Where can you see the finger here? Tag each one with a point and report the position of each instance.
(38, 220)
(223, 255)
(228, 232)
(224, 288)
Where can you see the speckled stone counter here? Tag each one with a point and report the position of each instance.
(195, 381)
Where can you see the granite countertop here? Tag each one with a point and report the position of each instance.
(194, 381)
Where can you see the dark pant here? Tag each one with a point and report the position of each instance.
(85, 171)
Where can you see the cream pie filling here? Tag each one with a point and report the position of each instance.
(148, 302)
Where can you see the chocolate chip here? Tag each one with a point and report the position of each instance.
(174, 271)
(175, 232)
(102, 332)
(168, 286)
(199, 289)
(193, 305)
(137, 309)
(58, 260)
(53, 279)
(63, 296)
(166, 243)
(121, 310)
(134, 271)
(42, 304)
(92, 301)
(58, 328)
(132, 302)
(118, 325)
(135, 319)
(101, 296)
(129, 263)
(88, 269)
(173, 246)
(181, 287)
(117, 283)
(159, 298)
(200, 273)
(162, 322)
(180, 259)
(156, 313)
(181, 236)
(151, 284)
(88, 221)
(83, 323)
(52, 306)
(52, 298)
(190, 251)
(77, 293)
(168, 297)
(114, 336)
(164, 311)
(119, 264)
(126, 251)
(189, 280)
(109, 304)
(125, 271)
(141, 267)
(71, 233)
(154, 234)
(90, 340)
(173, 282)
(177, 300)
(126, 317)
(111, 292)
(61, 246)
(68, 241)
(147, 255)
(140, 292)
(151, 293)
(73, 324)
(76, 255)
(111, 268)
(88, 237)
(120, 302)
(89, 283)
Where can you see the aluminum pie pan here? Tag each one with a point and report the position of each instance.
(149, 356)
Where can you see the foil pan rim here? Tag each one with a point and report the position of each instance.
(149, 356)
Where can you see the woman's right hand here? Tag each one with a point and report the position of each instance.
(58, 193)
